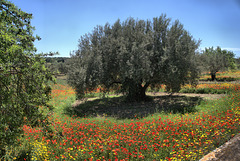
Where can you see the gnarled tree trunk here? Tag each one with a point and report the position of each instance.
(137, 92)
(213, 76)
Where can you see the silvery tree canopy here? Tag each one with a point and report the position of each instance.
(133, 55)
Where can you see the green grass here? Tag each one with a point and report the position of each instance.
(115, 108)
(204, 91)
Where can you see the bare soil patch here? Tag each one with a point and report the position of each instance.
(204, 96)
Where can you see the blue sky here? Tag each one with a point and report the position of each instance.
(60, 23)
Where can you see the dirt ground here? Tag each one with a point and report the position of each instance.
(204, 96)
(230, 151)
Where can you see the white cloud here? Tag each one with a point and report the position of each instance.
(232, 49)
(229, 49)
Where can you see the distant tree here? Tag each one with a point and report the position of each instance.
(63, 67)
(231, 61)
(52, 64)
(134, 55)
(23, 76)
(214, 60)
(57, 65)
(237, 60)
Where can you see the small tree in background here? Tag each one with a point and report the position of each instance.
(237, 62)
(214, 60)
(23, 76)
(134, 55)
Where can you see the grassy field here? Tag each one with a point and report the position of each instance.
(165, 128)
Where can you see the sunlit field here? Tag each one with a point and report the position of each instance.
(213, 88)
(205, 88)
(130, 90)
(158, 136)
(222, 76)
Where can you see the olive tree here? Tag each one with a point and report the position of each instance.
(214, 60)
(23, 76)
(133, 55)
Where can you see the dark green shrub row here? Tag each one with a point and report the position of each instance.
(223, 79)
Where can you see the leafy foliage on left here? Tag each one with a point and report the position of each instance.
(23, 77)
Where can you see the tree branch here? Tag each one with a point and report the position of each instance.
(146, 85)
(115, 82)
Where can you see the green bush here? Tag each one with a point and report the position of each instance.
(23, 76)
(223, 79)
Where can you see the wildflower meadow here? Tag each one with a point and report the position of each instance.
(101, 106)
(160, 136)
(222, 76)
